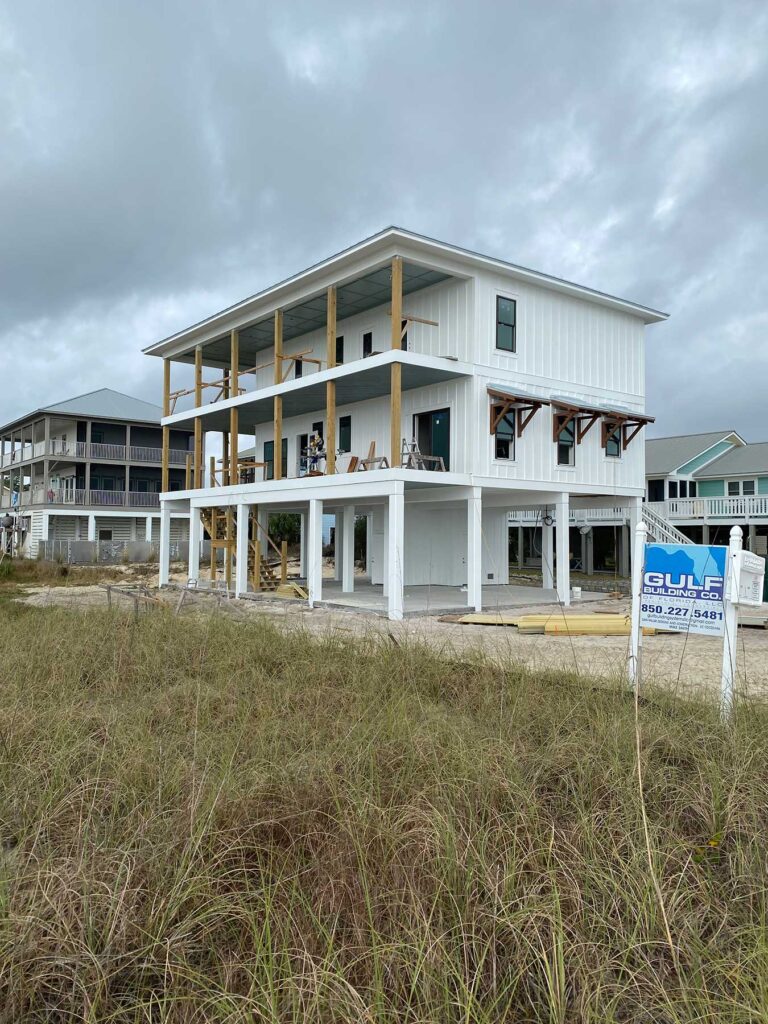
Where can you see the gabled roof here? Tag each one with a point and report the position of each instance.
(666, 454)
(376, 248)
(102, 404)
(749, 460)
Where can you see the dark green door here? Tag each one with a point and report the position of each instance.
(433, 433)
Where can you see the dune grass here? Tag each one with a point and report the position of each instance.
(202, 820)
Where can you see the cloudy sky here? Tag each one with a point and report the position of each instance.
(164, 158)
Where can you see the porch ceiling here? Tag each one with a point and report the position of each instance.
(363, 384)
(358, 296)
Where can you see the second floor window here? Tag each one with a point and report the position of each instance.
(566, 445)
(340, 350)
(269, 459)
(613, 445)
(741, 487)
(299, 371)
(506, 324)
(504, 440)
(367, 344)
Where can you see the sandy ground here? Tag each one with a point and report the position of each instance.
(674, 660)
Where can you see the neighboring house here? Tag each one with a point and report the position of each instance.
(510, 389)
(90, 468)
(707, 483)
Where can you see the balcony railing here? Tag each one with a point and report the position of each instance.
(744, 507)
(79, 496)
(577, 517)
(98, 451)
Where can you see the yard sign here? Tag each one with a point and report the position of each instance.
(684, 588)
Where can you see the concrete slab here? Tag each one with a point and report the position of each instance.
(437, 600)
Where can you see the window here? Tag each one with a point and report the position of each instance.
(673, 488)
(298, 369)
(269, 459)
(613, 445)
(367, 344)
(683, 489)
(656, 490)
(404, 335)
(340, 350)
(506, 314)
(345, 434)
(505, 437)
(691, 488)
(105, 535)
(317, 428)
(566, 445)
(737, 487)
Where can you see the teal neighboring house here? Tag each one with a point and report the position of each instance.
(707, 483)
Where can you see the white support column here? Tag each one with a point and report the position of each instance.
(91, 527)
(395, 549)
(315, 552)
(475, 550)
(368, 544)
(520, 547)
(302, 545)
(44, 527)
(241, 562)
(562, 562)
(635, 518)
(705, 533)
(385, 555)
(547, 554)
(148, 529)
(195, 536)
(338, 553)
(165, 544)
(348, 551)
(752, 536)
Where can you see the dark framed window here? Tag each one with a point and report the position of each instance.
(345, 434)
(656, 490)
(105, 534)
(299, 369)
(673, 488)
(682, 490)
(506, 324)
(691, 488)
(613, 445)
(733, 488)
(340, 350)
(404, 335)
(367, 344)
(269, 459)
(748, 487)
(566, 445)
(504, 439)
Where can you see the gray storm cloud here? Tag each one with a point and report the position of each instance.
(160, 161)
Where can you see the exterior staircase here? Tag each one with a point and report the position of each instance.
(261, 570)
(661, 530)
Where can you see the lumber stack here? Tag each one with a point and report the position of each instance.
(556, 623)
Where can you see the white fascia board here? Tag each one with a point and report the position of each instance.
(112, 513)
(460, 369)
(367, 256)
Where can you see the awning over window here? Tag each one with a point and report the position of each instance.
(566, 409)
(523, 404)
(615, 420)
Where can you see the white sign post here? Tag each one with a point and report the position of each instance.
(693, 588)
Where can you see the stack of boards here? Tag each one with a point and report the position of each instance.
(554, 623)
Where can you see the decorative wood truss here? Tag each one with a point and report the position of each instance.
(523, 407)
(623, 423)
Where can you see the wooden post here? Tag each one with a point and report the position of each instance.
(277, 462)
(396, 375)
(330, 388)
(257, 565)
(228, 547)
(214, 535)
(198, 375)
(166, 456)
(234, 417)
(212, 466)
(234, 367)
(166, 387)
(284, 562)
(188, 473)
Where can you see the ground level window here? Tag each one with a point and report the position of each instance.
(105, 535)
(504, 440)
(566, 445)
(345, 434)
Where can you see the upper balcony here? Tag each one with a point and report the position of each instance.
(713, 510)
(98, 451)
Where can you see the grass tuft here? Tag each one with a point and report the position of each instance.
(206, 821)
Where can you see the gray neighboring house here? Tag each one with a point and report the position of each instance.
(89, 468)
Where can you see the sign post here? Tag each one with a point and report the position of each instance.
(693, 588)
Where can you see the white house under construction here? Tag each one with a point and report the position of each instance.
(433, 390)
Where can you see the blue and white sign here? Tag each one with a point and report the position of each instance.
(684, 588)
